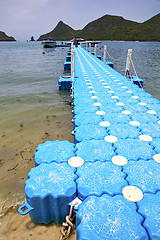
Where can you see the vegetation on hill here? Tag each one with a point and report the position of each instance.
(60, 32)
(4, 37)
(149, 30)
(110, 28)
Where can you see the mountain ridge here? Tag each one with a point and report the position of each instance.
(4, 37)
(110, 27)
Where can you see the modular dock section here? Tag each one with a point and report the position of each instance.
(117, 145)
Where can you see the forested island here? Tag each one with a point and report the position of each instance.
(108, 27)
(111, 28)
(4, 37)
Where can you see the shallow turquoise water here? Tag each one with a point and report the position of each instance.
(34, 111)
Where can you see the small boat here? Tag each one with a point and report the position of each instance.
(48, 42)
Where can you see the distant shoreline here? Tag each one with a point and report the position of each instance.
(86, 40)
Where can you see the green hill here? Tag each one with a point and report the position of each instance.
(149, 30)
(60, 32)
(110, 27)
(4, 37)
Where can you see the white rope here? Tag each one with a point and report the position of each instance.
(133, 69)
(111, 56)
(136, 73)
(129, 72)
(113, 59)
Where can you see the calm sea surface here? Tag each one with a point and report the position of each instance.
(32, 110)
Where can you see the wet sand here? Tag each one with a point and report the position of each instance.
(15, 226)
(19, 139)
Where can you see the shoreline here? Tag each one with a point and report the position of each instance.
(15, 169)
(15, 226)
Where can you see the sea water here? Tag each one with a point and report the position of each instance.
(33, 110)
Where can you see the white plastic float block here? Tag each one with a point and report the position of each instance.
(134, 123)
(97, 104)
(127, 112)
(156, 158)
(75, 162)
(105, 124)
(146, 138)
(119, 160)
(120, 104)
(101, 113)
(111, 139)
(132, 193)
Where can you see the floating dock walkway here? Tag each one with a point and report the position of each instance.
(113, 167)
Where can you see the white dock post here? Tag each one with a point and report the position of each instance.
(72, 63)
(95, 49)
(72, 45)
(105, 53)
(89, 47)
(128, 64)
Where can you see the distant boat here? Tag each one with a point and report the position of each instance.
(93, 43)
(81, 40)
(48, 42)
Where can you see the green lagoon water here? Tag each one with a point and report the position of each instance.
(33, 111)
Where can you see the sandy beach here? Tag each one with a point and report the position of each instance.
(15, 226)
(19, 144)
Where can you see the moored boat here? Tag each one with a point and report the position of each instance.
(48, 42)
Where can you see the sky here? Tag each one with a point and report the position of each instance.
(25, 18)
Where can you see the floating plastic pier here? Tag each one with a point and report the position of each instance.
(67, 65)
(68, 58)
(54, 151)
(49, 187)
(65, 83)
(117, 139)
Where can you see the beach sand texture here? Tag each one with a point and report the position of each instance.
(15, 226)
(18, 145)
